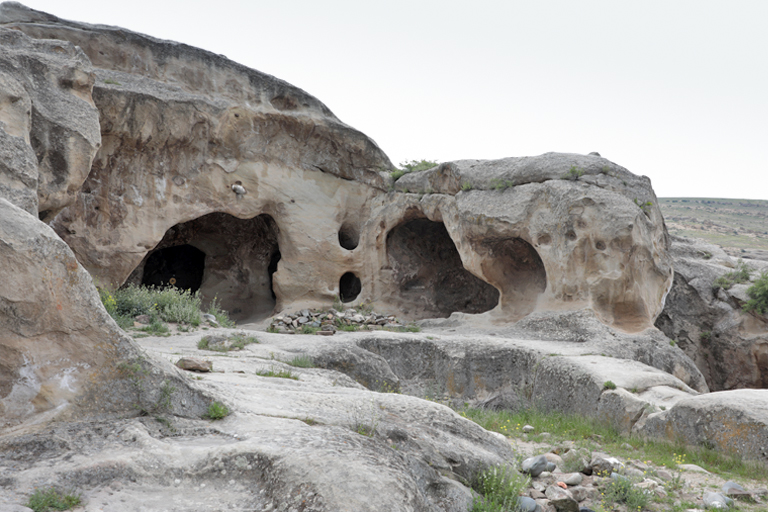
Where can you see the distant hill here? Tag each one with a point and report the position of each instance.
(740, 226)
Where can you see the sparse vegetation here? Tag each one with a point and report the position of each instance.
(574, 173)
(466, 186)
(412, 166)
(501, 185)
(217, 411)
(236, 341)
(112, 82)
(281, 374)
(758, 295)
(622, 490)
(499, 488)
(609, 385)
(302, 361)
(43, 500)
(364, 423)
(740, 275)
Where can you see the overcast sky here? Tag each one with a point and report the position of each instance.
(676, 90)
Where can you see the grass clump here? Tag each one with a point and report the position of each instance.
(740, 275)
(217, 411)
(43, 500)
(622, 490)
(303, 361)
(308, 329)
(609, 385)
(281, 374)
(499, 488)
(412, 166)
(758, 295)
(466, 186)
(574, 173)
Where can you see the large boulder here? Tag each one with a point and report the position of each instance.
(728, 345)
(553, 232)
(62, 354)
(729, 421)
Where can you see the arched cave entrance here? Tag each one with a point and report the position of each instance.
(349, 287)
(221, 256)
(513, 266)
(428, 271)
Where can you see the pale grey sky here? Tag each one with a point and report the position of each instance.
(676, 90)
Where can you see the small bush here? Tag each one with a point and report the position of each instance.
(308, 329)
(466, 186)
(217, 411)
(222, 317)
(500, 487)
(758, 295)
(574, 173)
(622, 490)
(396, 175)
(51, 499)
(740, 275)
(609, 385)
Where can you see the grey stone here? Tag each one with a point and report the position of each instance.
(716, 501)
(525, 504)
(572, 478)
(194, 364)
(535, 465)
(561, 499)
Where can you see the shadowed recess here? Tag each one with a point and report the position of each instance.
(428, 271)
(229, 259)
(349, 287)
(514, 267)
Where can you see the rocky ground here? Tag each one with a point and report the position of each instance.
(303, 437)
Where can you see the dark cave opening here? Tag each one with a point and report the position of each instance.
(222, 257)
(349, 287)
(430, 275)
(181, 266)
(349, 236)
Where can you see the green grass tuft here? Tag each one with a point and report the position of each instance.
(303, 361)
(217, 411)
(43, 500)
(499, 488)
(282, 374)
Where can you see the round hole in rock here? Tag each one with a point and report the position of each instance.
(181, 266)
(240, 256)
(349, 237)
(349, 287)
(429, 275)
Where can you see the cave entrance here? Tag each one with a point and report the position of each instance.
(513, 266)
(181, 266)
(222, 257)
(428, 271)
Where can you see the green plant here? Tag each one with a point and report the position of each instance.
(303, 361)
(705, 335)
(609, 385)
(466, 186)
(741, 274)
(43, 500)
(364, 423)
(281, 374)
(499, 488)
(500, 185)
(112, 82)
(309, 421)
(574, 173)
(758, 295)
(417, 165)
(396, 175)
(308, 329)
(622, 490)
(216, 411)
(673, 342)
(222, 317)
(273, 329)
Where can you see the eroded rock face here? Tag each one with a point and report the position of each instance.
(188, 134)
(49, 126)
(727, 344)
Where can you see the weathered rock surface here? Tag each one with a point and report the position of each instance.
(49, 126)
(197, 148)
(556, 231)
(730, 421)
(61, 351)
(729, 346)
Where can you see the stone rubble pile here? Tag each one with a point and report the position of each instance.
(571, 479)
(328, 322)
